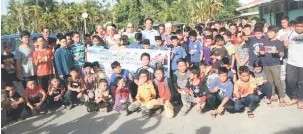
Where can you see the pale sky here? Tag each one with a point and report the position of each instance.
(4, 4)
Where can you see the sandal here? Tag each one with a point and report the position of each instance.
(300, 105)
(274, 99)
(292, 102)
(282, 104)
(250, 114)
(269, 103)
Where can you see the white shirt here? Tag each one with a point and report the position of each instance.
(150, 34)
(295, 49)
(283, 34)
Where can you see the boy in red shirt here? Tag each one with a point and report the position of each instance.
(34, 97)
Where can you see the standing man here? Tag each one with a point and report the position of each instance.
(161, 29)
(48, 41)
(294, 69)
(100, 32)
(130, 33)
(167, 35)
(149, 32)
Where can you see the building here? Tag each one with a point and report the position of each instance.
(273, 10)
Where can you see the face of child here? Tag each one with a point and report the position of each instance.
(233, 29)
(40, 42)
(175, 43)
(11, 89)
(8, 49)
(96, 41)
(146, 46)
(31, 85)
(245, 76)
(257, 69)
(226, 38)
(202, 68)
(25, 39)
(122, 83)
(299, 28)
(220, 43)
(55, 82)
(96, 69)
(118, 42)
(208, 42)
(192, 38)
(76, 38)
(253, 22)
(159, 75)
(87, 70)
(68, 40)
(74, 74)
(145, 61)
(87, 40)
(258, 35)
(223, 77)
(182, 67)
(143, 78)
(284, 23)
(239, 38)
(271, 34)
(208, 33)
(159, 42)
(103, 86)
(215, 33)
(99, 29)
(63, 42)
(117, 70)
(192, 76)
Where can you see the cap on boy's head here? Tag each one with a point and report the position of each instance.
(158, 38)
(146, 42)
(95, 64)
(274, 29)
(87, 64)
(168, 25)
(193, 33)
(117, 36)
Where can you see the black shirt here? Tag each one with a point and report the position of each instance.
(8, 72)
(198, 90)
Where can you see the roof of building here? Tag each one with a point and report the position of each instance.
(253, 4)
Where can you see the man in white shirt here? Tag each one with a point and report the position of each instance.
(130, 33)
(150, 33)
(294, 70)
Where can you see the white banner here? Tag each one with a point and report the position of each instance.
(128, 58)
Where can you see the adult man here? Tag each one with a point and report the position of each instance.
(130, 33)
(150, 33)
(161, 29)
(168, 33)
(100, 31)
(48, 41)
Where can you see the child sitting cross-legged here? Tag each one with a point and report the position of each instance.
(146, 93)
(123, 96)
(103, 97)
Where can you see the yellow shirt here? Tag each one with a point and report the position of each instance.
(146, 92)
(245, 87)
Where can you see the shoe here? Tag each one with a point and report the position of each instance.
(146, 113)
(185, 109)
(69, 107)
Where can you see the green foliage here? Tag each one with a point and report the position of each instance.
(229, 10)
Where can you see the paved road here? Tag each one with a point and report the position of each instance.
(268, 120)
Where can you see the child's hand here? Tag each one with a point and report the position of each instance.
(191, 93)
(2, 65)
(259, 93)
(234, 71)
(257, 49)
(79, 95)
(14, 105)
(78, 89)
(260, 83)
(219, 57)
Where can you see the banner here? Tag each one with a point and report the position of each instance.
(129, 59)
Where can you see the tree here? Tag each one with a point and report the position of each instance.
(229, 10)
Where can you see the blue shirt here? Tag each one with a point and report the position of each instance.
(179, 53)
(150, 34)
(160, 48)
(225, 90)
(197, 48)
(254, 43)
(125, 74)
(78, 51)
(64, 61)
(97, 46)
(136, 45)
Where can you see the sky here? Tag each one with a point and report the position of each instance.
(4, 4)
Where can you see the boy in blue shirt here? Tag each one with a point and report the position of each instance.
(146, 44)
(78, 50)
(176, 53)
(195, 48)
(138, 43)
(221, 92)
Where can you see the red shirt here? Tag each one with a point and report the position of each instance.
(123, 92)
(32, 93)
(44, 68)
(234, 39)
(163, 92)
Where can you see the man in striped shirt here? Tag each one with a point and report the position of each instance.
(78, 50)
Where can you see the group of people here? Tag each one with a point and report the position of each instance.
(213, 67)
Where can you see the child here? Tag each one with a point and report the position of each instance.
(43, 59)
(102, 96)
(146, 94)
(177, 53)
(159, 45)
(8, 66)
(244, 92)
(138, 43)
(263, 86)
(241, 52)
(230, 48)
(220, 92)
(274, 49)
(90, 82)
(195, 90)
(87, 40)
(207, 47)
(75, 88)
(195, 48)
(165, 90)
(218, 52)
(100, 73)
(78, 50)
(55, 93)
(255, 46)
(145, 59)
(122, 95)
(146, 44)
(97, 42)
(232, 74)
(119, 72)
(34, 97)
(118, 45)
(180, 79)
(14, 102)
(25, 67)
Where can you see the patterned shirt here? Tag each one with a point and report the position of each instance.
(78, 51)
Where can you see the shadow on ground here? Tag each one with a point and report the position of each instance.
(203, 130)
(296, 130)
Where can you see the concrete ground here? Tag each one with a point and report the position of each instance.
(276, 120)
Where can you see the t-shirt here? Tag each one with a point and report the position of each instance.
(225, 90)
(25, 55)
(197, 48)
(210, 78)
(230, 48)
(178, 53)
(253, 44)
(8, 72)
(164, 93)
(198, 90)
(181, 80)
(282, 35)
(271, 59)
(59, 90)
(145, 91)
(125, 74)
(32, 93)
(160, 48)
(245, 87)
(131, 37)
(242, 52)
(150, 34)
(124, 92)
(78, 51)
(116, 47)
(136, 45)
(150, 70)
(44, 68)
(219, 51)
(16, 96)
(206, 52)
(260, 76)
(295, 49)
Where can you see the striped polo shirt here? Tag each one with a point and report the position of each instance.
(78, 51)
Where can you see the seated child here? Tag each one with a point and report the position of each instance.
(145, 95)
(89, 80)
(220, 93)
(75, 88)
(164, 90)
(195, 90)
(34, 97)
(264, 87)
(232, 74)
(14, 102)
(102, 96)
(123, 95)
(55, 93)
(146, 44)
(245, 92)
